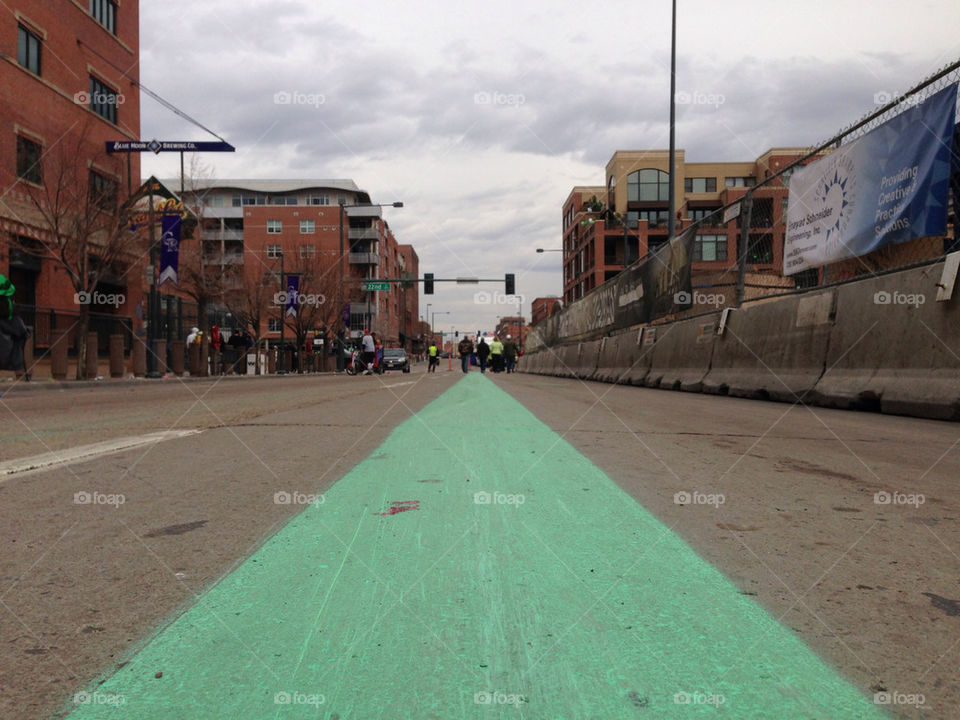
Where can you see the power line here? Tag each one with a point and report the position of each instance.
(165, 103)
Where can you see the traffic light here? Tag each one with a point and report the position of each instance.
(428, 283)
(511, 284)
(456, 333)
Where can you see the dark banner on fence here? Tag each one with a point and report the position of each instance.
(657, 286)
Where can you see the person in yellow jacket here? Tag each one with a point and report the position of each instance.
(496, 354)
(433, 358)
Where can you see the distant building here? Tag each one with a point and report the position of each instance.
(252, 223)
(514, 326)
(543, 307)
(608, 227)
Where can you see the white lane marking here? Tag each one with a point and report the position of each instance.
(408, 382)
(69, 456)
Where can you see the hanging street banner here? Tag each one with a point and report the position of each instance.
(169, 249)
(293, 291)
(159, 146)
(889, 186)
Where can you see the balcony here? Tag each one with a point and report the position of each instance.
(364, 258)
(218, 235)
(229, 258)
(370, 233)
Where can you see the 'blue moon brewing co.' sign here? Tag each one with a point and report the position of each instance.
(889, 186)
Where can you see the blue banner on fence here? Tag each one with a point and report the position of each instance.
(293, 292)
(889, 186)
(169, 249)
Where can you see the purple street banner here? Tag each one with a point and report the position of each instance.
(346, 316)
(293, 291)
(169, 249)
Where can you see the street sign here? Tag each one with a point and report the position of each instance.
(371, 286)
(159, 146)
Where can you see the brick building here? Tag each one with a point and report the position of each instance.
(68, 84)
(543, 307)
(259, 227)
(608, 227)
(516, 327)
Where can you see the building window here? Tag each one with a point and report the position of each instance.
(103, 100)
(240, 199)
(648, 186)
(700, 184)
(103, 191)
(308, 251)
(105, 13)
(318, 200)
(274, 226)
(735, 182)
(274, 251)
(708, 248)
(283, 200)
(28, 49)
(760, 248)
(307, 227)
(656, 218)
(708, 217)
(28, 160)
(273, 324)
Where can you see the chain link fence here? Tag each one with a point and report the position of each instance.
(753, 225)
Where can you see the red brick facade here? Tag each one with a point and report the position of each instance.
(52, 53)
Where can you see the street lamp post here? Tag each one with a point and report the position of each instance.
(282, 370)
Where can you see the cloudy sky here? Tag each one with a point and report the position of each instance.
(480, 117)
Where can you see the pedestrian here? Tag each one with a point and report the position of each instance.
(194, 334)
(237, 344)
(13, 333)
(216, 343)
(465, 348)
(483, 352)
(496, 354)
(432, 359)
(378, 355)
(510, 354)
(369, 352)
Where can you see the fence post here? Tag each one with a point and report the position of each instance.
(93, 355)
(743, 245)
(116, 355)
(58, 354)
(176, 357)
(28, 350)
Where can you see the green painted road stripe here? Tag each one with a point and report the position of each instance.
(512, 578)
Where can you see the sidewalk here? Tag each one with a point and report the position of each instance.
(8, 384)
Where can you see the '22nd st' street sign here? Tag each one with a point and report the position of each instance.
(159, 146)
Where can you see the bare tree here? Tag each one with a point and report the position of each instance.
(317, 296)
(250, 302)
(207, 274)
(82, 223)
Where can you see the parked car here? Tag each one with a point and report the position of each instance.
(396, 359)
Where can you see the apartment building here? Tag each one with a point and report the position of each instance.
(261, 228)
(514, 326)
(68, 84)
(543, 307)
(605, 228)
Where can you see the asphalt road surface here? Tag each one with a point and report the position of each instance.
(440, 546)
